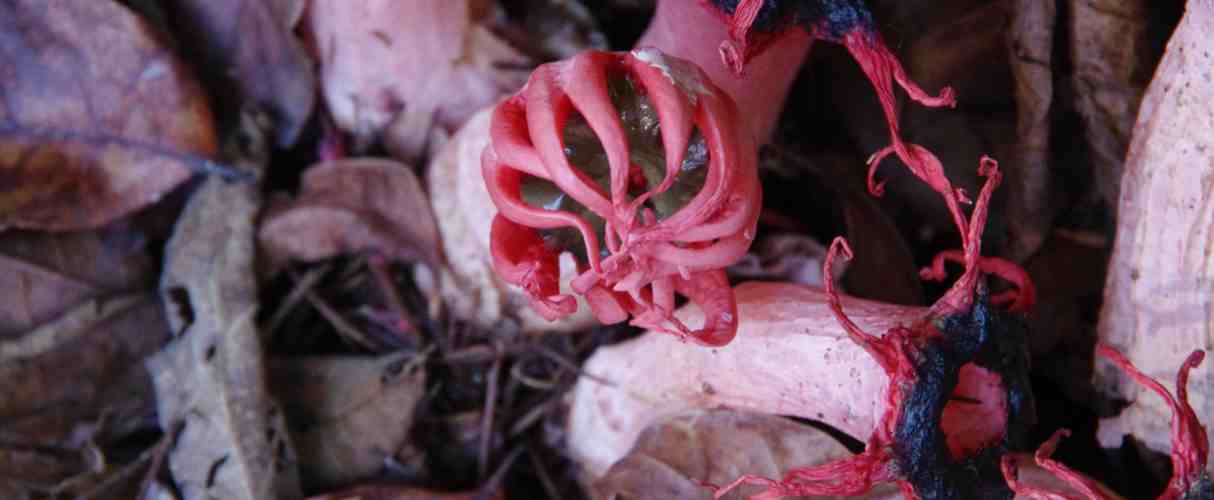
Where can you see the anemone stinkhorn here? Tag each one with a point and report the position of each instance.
(956, 392)
(676, 200)
(958, 397)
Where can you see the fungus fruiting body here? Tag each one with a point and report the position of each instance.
(635, 162)
(958, 397)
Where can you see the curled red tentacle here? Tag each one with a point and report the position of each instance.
(521, 258)
(880, 352)
(1190, 445)
(848, 477)
(1083, 484)
(1021, 299)
(960, 297)
(737, 50)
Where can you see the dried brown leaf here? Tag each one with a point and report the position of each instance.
(42, 275)
(69, 372)
(347, 415)
(252, 45)
(355, 205)
(210, 381)
(677, 457)
(1114, 49)
(97, 117)
(381, 57)
(1030, 49)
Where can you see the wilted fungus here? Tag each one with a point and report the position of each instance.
(1190, 447)
(636, 163)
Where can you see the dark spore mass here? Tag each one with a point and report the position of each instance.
(993, 340)
(830, 19)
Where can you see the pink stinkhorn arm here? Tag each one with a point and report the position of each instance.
(521, 257)
(1190, 445)
(646, 259)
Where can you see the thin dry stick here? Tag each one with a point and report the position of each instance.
(540, 470)
(383, 278)
(487, 416)
(344, 327)
(532, 416)
(516, 372)
(495, 481)
(470, 354)
(162, 450)
(302, 287)
(560, 359)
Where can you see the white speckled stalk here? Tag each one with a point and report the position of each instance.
(790, 358)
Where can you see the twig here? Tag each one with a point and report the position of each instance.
(542, 472)
(560, 359)
(344, 327)
(379, 269)
(487, 416)
(162, 450)
(535, 413)
(495, 481)
(153, 454)
(516, 371)
(470, 354)
(302, 287)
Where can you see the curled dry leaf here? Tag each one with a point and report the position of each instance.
(1114, 50)
(1157, 302)
(346, 415)
(384, 59)
(74, 330)
(98, 119)
(470, 287)
(1030, 48)
(252, 45)
(675, 458)
(354, 205)
(210, 381)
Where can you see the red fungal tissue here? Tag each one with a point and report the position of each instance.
(959, 397)
(637, 164)
(1190, 445)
